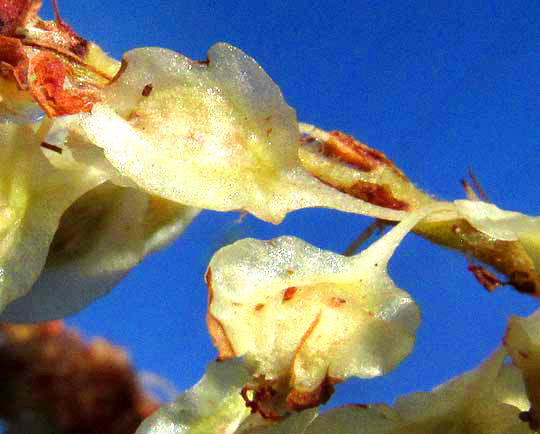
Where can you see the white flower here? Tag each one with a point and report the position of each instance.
(33, 196)
(304, 316)
(215, 135)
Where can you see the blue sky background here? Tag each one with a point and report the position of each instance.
(439, 89)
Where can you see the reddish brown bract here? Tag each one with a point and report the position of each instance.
(147, 90)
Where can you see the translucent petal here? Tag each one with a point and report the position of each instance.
(522, 259)
(212, 406)
(293, 310)
(522, 341)
(474, 403)
(295, 423)
(33, 196)
(498, 223)
(101, 237)
(214, 135)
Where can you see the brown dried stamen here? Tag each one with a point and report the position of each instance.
(265, 401)
(351, 151)
(486, 278)
(51, 147)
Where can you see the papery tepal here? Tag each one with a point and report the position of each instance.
(304, 318)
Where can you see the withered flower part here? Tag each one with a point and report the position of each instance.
(49, 62)
(352, 167)
(15, 14)
(486, 278)
(475, 228)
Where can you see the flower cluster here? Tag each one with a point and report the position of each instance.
(105, 162)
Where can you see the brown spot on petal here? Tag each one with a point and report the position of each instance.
(336, 301)
(147, 90)
(259, 306)
(289, 293)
